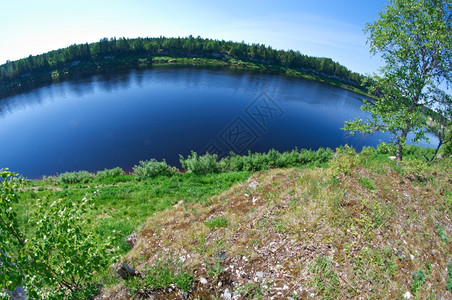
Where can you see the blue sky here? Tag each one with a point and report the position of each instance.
(323, 28)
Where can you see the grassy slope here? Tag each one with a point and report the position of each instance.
(365, 226)
(122, 203)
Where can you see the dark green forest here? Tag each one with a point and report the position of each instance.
(14, 75)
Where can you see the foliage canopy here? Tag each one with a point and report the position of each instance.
(414, 39)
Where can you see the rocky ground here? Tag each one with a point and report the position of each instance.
(351, 231)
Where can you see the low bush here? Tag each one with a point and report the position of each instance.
(207, 163)
(274, 159)
(344, 161)
(75, 177)
(110, 172)
(153, 168)
(161, 276)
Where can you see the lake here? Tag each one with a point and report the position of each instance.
(111, 120)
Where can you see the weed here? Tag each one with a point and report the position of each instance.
(217, 222)
(442, 235)
(325, 279)
(419, 278)
(366, 183)
(449, 277)
(251, 291)
(161, 276)
(215, 269)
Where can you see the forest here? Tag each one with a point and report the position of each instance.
(136, 51)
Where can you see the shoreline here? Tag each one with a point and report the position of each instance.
(90, 69)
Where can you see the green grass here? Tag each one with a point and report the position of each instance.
(121, 204)
(161, 276)
(325, 279)
(216, 222)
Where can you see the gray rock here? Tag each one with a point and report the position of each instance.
(253, 184)
(227, 295)
(125, 271)
(17, 294)
(132, 239)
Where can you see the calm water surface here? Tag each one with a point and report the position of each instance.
(119, 119)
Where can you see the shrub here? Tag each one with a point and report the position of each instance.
(60, 260)
(207, 163)
(387, 148)
(344, 161)
(110, 172)
(75, 177)
(153, 168)
(274, 159)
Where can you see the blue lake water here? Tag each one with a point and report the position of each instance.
(119, 119)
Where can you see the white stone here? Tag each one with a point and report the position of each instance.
(260, 274)
(253, 184)
(203, 280)
(227, 295)
(407, 295)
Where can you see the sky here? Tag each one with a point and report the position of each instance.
(322, 28)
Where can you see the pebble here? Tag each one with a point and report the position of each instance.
(260, 274)
(253, 184)
(227, 295)
(203, 280)
(407, 295)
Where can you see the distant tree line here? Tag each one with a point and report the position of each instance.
(105, 49)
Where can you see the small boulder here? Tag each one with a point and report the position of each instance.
(132, 239)
(253, 184)
(227, 295)
(125, 271)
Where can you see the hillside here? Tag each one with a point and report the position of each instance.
(109, 54)
(365, 226)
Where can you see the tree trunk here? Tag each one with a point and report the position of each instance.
(400, 142)
(436, 152)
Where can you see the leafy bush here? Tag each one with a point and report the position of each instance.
(75, 177)
(274, 159)
(344, 161)
(387, 148)
(60, 260)
(207, 163)
(153, 168)
(110, 172)
(414, 168)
